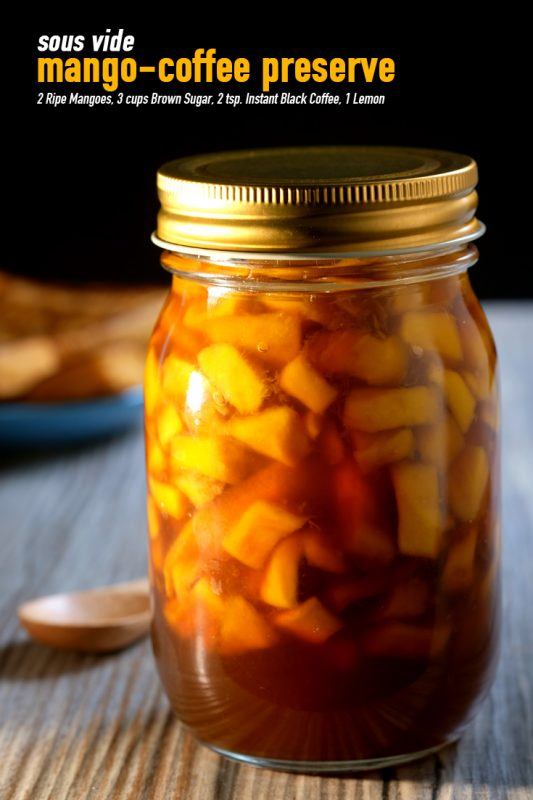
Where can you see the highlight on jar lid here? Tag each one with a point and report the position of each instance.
(299, 200)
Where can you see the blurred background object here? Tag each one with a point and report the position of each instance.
(71, 358)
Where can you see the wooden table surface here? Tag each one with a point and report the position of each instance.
(75, 726)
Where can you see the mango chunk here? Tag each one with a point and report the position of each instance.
(310, 621)
(362, 524)
(168, 499)
(204, 409)
(320, 552)
(207, 611)
(479, 384)
(258, 531)
(233, 377)
(169, 424)
(199, 489)
(277, 432)
(439, 444)
(155, 457)
(489, 413)
(309, 308)
(272, 337)
(176, 374)
(300, 380)
(399, 640)
(407, 600)
(373, 410)
(378, 362)
(373, 450)
(468, 480)
(180, 569)
(458, 571)
(313, 424)
(154, 525)
(434, 331)
(243, 628)
(151, 383)
(419, 515)
(215, 457)
(226, 304)
(331, 444)
(459, 398)
(280, 584)
(342, 594)
(477, 345)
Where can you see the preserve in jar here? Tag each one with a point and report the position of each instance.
(322, 455)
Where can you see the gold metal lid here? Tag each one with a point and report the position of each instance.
(317, 200)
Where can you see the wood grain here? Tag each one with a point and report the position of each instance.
(100, 727)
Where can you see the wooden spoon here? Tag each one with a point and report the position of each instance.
(94, 621)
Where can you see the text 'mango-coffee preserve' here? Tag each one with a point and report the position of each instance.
(322, 449)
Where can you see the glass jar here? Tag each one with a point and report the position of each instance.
(322, 454)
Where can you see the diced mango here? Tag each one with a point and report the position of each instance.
(459, 398)
(434, 331)
(313, 424)
(489, 413)
(331, 444)
(479, 384)
(373, 410)
(199, 489)
(362, 523)
(300, 380)
(477, 345)
(243, 628)
(155, 457)
(301, 490)
(258, 531)
(168, 498)
(309, 308)
(204, 409)
(408, 599)
(310, 621)
(320, 551)
(373, 450)
(169, 424)
(419, 514)
(277, 432)
(439, 444)
(154, 523)
(468, 480)
(215, 457)
(208, 609)
(272, 337)
(195, 315)
(342, 594)
(181, 562)
(226, 304)
(176, 374)
(280, 584)
(379, 362)
(458, 571)
(398, 640)
(151, 383)
(409, 298)
(238, 382)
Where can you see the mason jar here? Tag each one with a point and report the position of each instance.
(322, 455)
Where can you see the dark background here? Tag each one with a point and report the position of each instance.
(84, 188)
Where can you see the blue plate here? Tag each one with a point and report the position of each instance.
(42, 424)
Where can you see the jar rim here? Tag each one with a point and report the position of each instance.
(227, 254)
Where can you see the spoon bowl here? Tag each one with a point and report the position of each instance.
(93, 621)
